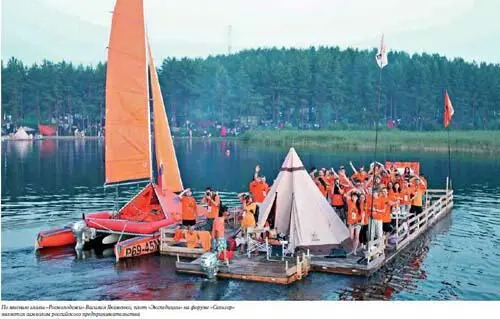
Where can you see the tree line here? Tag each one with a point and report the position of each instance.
(322, 87)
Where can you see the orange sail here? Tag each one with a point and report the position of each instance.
(169, 177)
(127, 132)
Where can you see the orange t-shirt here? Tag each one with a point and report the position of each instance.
(218, 228)
(379, 208)
(191, 239)
(337, 199)
(419, 193)
(388, 207)
(353, 215)
(330, 180)
(405, 193)
(259, 192)
(364, 215)
(188, 208)
(214, 208)
(360, 176)
(322, 189)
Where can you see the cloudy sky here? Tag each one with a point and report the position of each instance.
(78, 30)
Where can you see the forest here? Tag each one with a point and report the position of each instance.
(325, 87)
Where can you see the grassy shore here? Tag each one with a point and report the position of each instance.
(460, 141)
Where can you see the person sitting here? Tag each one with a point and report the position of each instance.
(188, 207)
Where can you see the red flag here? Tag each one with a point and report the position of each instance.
(448, 110)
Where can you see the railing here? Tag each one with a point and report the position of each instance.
(437, 201)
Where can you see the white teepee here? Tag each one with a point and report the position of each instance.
(21, 135)
(300, 209)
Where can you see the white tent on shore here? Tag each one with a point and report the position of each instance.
(21, 135)
(298, 208)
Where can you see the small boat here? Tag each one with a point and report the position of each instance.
(132, 90)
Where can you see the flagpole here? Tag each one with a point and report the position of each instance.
(370, 230)
(449, 154)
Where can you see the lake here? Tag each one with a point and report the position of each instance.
(52, 182)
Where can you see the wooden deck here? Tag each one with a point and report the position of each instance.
(169, 247)
(256, 268)
(439, 204)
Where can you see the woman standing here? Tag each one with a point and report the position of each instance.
(353, 220)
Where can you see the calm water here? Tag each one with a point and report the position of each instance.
(50, 183)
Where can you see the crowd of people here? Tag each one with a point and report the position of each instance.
(374, 197)
(371, 197)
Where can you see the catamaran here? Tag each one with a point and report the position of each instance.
(136, 133)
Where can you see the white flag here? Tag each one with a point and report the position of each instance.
(381, 56)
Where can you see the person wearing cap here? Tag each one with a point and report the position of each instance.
(188, 206)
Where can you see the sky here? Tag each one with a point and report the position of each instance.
(78, 30)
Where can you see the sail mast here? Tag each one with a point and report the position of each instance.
(150, 98)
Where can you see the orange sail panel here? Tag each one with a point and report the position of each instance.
(169, 177)
(127, 132)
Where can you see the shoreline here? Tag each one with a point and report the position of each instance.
(468, 142)
(480, 142)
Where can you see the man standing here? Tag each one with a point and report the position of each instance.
(188, 204)
(212, 199)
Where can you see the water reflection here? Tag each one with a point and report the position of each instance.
(403, 273)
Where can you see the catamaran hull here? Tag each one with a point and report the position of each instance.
(137, 246)
(61, 236)
(56, 237)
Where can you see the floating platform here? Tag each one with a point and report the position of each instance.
(438, 204)
(257, 268)
(170, 247)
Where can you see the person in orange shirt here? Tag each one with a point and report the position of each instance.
(361, 175)
(390, 202)
(321, 183)
(212, 199)
(417, 197)
(353, 219)
(364, 219)
(376, 207)
(337, 200)
(406, 193)
(259, 189)
(330, 180)
(249, 209)
(188, 206)
(218, 234)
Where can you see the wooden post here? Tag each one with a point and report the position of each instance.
(447, 188)
(397, 228)
(298, 269)
(178, 259)
(267, 249)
